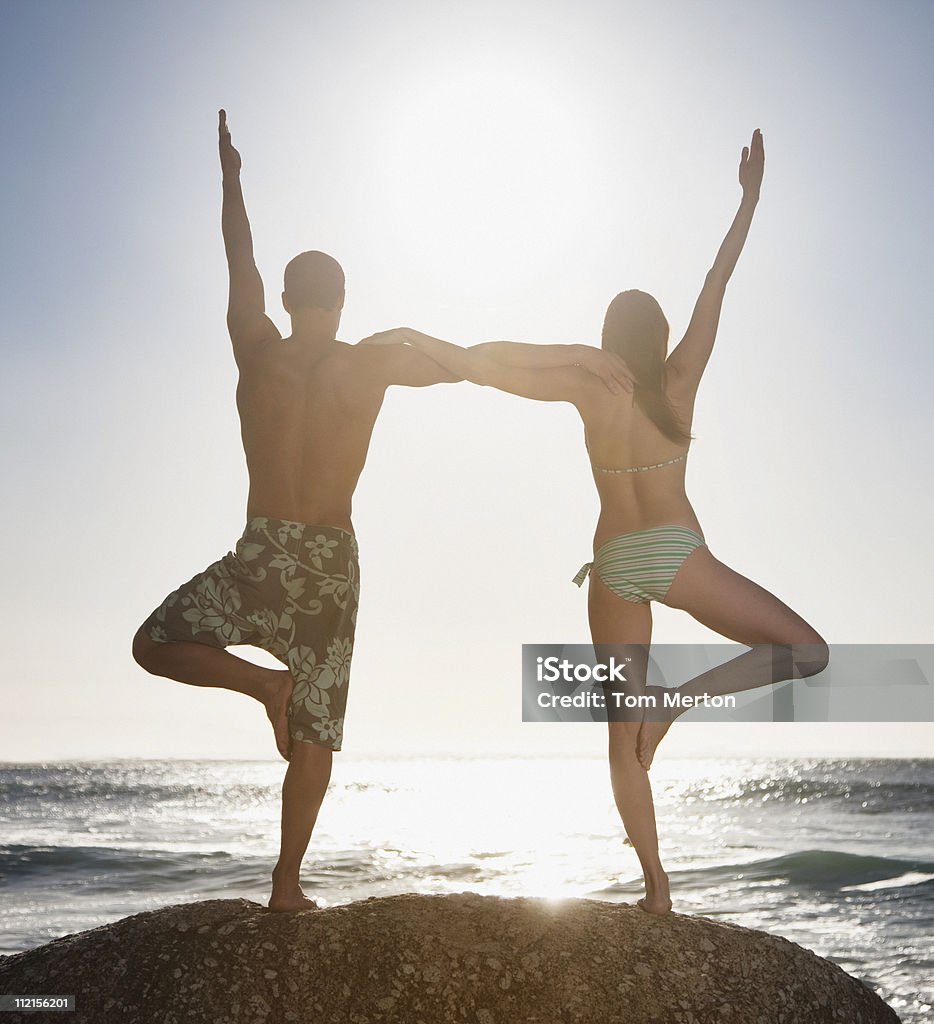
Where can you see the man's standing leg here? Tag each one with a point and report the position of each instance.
(309, 772)
(317, 629)
(303, 789)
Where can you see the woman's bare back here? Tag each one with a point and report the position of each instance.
(620, 436)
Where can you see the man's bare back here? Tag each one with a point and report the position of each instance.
(307, 411)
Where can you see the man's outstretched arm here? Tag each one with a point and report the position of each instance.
(388, 360)
(246, 304)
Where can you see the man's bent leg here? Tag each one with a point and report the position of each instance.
(233, 601)
(306, 782)
(205, 665)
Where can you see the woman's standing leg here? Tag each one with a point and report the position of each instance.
(784, 646)
(623, 630)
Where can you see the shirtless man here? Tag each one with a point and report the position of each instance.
(307, 405)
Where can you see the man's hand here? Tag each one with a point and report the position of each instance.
(395, 336)
(608, 366)
(230, 158)
(751, 166)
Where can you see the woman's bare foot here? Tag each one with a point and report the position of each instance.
(655, 723)
(277, 694)
(650, 735)
(657, 899)
(657, 908)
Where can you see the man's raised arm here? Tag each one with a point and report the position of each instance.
(246, 304)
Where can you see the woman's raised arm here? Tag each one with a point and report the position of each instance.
(687, 362)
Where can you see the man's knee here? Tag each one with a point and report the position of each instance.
(309, 751)
(309, 766)
(145, 649)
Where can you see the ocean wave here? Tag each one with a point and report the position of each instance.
(69, 786)
(104, 868)
(826, 868)
(867, 796)
(807, 869)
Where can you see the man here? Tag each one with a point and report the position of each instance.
(307, 405)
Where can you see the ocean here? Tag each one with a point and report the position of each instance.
(837, 855)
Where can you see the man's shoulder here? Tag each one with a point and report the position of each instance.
(291, 351)
(371, 359)
(354, 365)
(357, 368)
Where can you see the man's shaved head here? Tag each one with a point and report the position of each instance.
(314, 280)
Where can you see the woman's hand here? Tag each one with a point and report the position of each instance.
(751, 166)
(608, 366)
(689, 359)
(394, 336)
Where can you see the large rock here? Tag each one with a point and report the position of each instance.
(411, 959)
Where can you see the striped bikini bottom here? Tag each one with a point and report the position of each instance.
(641, 566)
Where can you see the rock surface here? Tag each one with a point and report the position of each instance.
(423, 959)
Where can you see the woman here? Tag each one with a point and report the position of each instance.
(649, 545)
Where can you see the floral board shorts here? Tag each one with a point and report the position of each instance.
(293, 590)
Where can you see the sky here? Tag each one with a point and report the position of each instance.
(484, 171)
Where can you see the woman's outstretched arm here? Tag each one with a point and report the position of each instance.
(687, 362)
(548, 373)
(608, 366)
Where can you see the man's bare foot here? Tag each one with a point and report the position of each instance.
(655, 723)
(276, 699)
(287, 895)
(285, 904)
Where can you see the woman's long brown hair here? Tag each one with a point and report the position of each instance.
(635, 329)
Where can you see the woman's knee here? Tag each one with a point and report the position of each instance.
(811, 656)
(623, 737)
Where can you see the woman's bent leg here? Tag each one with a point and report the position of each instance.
(784, 645)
